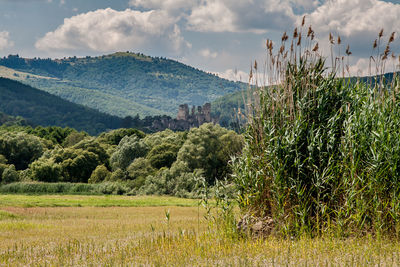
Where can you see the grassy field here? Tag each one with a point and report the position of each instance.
(139, 234)
(27, 201)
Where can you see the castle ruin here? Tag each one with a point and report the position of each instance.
(194, 119)
(185, 119)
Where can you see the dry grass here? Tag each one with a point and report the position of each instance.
(142, 236)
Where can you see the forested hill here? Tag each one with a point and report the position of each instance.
(122, 83)
(41, 108)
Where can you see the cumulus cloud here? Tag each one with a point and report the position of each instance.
(356, 21)
(5, 41)
(233, 75)
(228, 15)
(164, 4)
(240, 16)
(107, 30)
(207, 53)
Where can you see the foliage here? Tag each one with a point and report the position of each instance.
(10, 175)
(8, 120)
(138, 170)
(44, 109)
(143, 163)
(205, 148)
(123, 84)
(20, 148)
(56, 135)
(46, 170)
(101, 173)
(321, 153)
(115, 136)
(163, 155)
(130, 148)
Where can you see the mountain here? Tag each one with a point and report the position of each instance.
(41, 108)
(120, 84)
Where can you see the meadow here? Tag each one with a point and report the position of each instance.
(143, 233)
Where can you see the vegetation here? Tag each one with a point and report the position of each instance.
(121, 84)
(146, 234)
(124, 161)
(41, 108)
(65, 200)
(322, 153)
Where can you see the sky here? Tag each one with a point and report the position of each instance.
(219, 36)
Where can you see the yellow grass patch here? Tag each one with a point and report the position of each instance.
(142, 236)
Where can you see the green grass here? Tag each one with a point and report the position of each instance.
(93, 201)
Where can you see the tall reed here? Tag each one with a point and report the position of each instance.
(322, 152)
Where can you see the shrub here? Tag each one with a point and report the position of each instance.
(118, 175)
(10, 175)
(101, 173)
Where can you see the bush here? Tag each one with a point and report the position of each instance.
(99, 174)
(118, 175)
(10, 175)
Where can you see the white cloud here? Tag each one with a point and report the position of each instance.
(62, 2)
(106, 30)
(164, 4)
(234, 75)
(356, 21)
(5, 41)
(306, 5)
(207, 53)
(241, 16)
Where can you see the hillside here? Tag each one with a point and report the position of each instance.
(122, 83)
(11, 120)
(41, 108)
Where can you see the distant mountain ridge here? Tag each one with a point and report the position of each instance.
(122, 83)
(41, 108)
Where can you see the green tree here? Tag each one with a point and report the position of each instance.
(205, 149)
(139, 169)
(115, 136)
(78, 165)
(130, 148)
(46, 170)
(20, 148)
(163, 155)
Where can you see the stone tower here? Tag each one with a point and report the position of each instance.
(207, 112)
(183, 112)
